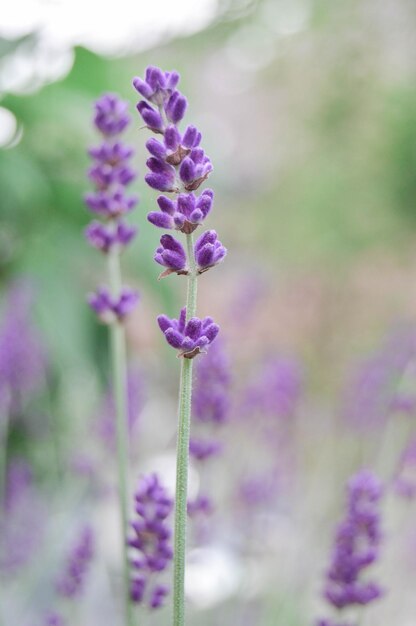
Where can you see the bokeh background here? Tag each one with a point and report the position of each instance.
(308, 112)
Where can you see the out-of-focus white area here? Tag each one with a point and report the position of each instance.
(212, 575)
(105, 27)
(8, 127)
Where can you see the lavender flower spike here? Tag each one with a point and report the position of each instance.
(179, 165)
(111, 173)
(191, 337)
(72, 580)
(209, 251)
(151, 541)
(357, 545)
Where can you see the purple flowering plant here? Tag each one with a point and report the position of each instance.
(178, 165)
(111, 173)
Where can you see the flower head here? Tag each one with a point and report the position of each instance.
(191, 337)
(105, 237)
(185, 213)
(151, 540)
(110, 309)
(71, 582)
(357, 545)
(111, 115)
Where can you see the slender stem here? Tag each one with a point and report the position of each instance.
(119, 367)
(182, 460)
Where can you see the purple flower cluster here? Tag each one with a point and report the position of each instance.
(191, 337)
(277, 390)
(208, 251)
(376, 391)
(178, 165)
(22, 521)
(357, 544)
(111, 173)
(210, 409)
(109, 309)
(70, 583)
(211, 397)
(22, 355)
(151, 540)
(106, 422)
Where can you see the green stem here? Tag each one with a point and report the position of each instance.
(119, 368)
(182, 460)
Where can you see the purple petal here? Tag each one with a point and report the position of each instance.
(193, 328)
(174, 338)
(161, 220)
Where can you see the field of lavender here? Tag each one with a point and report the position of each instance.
(207, 317)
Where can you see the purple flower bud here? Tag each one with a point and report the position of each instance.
(111, 115)
(163, 176)
(209, 251)
(172, 138)
(195, 169)
(187, 211)
(156, 148)
(171, 254)
(189, 338)
(157, 86)
(150, 116)
(161, 220)
(191, 137)
(176, 107)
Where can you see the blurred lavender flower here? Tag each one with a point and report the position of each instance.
(404, 481)
(71, 582)
(211, 397)
(23, 521)
(54, 619)
(22, 355)
(357, 544)
(277, 390)
(106, 422)
(111, 309)
(111, 173)
(202, 504)
(111, 115)
(191, 337)
(103, 237)
(202, 449)
(376, 391)
(152, 541)
(19, 481)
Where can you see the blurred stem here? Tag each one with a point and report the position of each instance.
(182, 452)
(119, 370)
